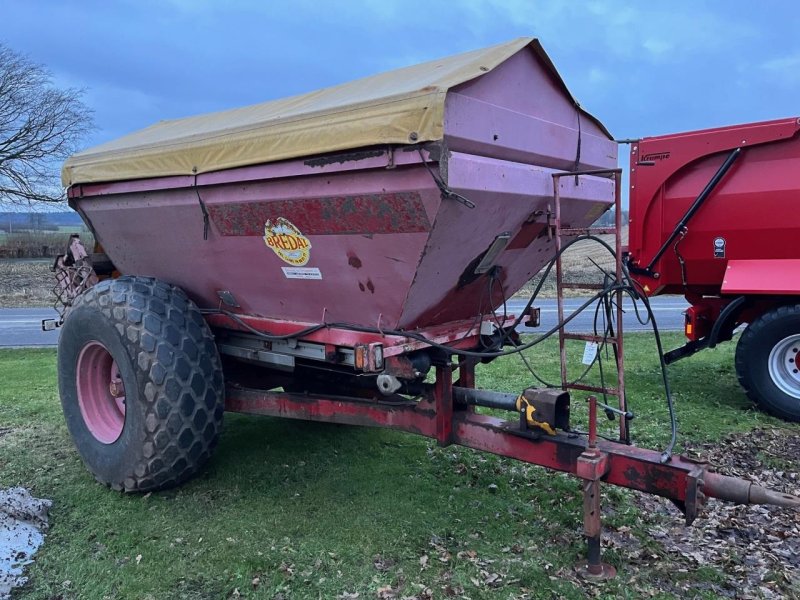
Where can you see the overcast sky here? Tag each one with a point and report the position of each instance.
(641, 68)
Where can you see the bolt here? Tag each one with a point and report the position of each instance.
(116, 388)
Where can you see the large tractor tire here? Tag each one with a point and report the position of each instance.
(766, 362)
(141, 384)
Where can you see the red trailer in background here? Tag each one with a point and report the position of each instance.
(715, 216)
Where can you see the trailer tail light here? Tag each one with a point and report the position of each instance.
(495, 250)
(368, 357)
(697, 323)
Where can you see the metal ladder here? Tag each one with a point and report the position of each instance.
(615, 340)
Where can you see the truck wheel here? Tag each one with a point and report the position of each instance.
(141, 383)
(766, 362)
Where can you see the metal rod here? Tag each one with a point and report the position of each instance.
(592, 422)
(562, 349)
(619, 346)
(608, 172)
(696, 205)
(593, 554)
(485, 398)
(443, 399)
(615, 410)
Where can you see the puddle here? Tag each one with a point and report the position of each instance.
(23, 523)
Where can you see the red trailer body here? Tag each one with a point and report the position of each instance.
(715, 216)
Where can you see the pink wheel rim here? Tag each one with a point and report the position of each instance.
(101, 393)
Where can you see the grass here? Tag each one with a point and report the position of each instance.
(303, 510)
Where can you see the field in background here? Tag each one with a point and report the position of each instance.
(40, 244)
(39, 233)
(289, 509)
(26, 283)
(583, 262)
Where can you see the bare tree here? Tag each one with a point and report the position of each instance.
(40, 126)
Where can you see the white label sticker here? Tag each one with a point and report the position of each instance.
(302, 272)
(589, 353)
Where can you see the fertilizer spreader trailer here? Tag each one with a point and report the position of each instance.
(340, 256)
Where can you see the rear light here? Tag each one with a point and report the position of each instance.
(368, 357)
(697, 323)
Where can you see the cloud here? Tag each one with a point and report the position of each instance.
(642, 68)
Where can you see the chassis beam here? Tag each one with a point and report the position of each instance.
(684, 481)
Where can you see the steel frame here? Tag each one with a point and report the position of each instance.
(686, 482)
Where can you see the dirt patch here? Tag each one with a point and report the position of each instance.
(26, 283)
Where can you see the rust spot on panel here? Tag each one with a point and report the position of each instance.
(526, 235)
(343, 157)
(400, 212)
(354, 261)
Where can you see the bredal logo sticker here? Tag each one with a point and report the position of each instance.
(287, 242)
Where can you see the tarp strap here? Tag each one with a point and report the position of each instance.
(202, 207)
(578, 148)
(446, 192)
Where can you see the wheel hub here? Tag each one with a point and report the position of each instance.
(783, 367)
(101, 393)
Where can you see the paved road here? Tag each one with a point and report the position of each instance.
(22, 326)
(667, 310)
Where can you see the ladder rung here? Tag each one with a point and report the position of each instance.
(589, 337)
(593, 388)
(588, 231)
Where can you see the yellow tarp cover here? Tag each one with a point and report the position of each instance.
(398, 107)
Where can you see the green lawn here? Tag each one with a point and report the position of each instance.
(290, 509)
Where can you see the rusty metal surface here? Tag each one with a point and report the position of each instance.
(408, 416)
(395, 212)
(459, 334)
(74, 274)
(443, 401)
